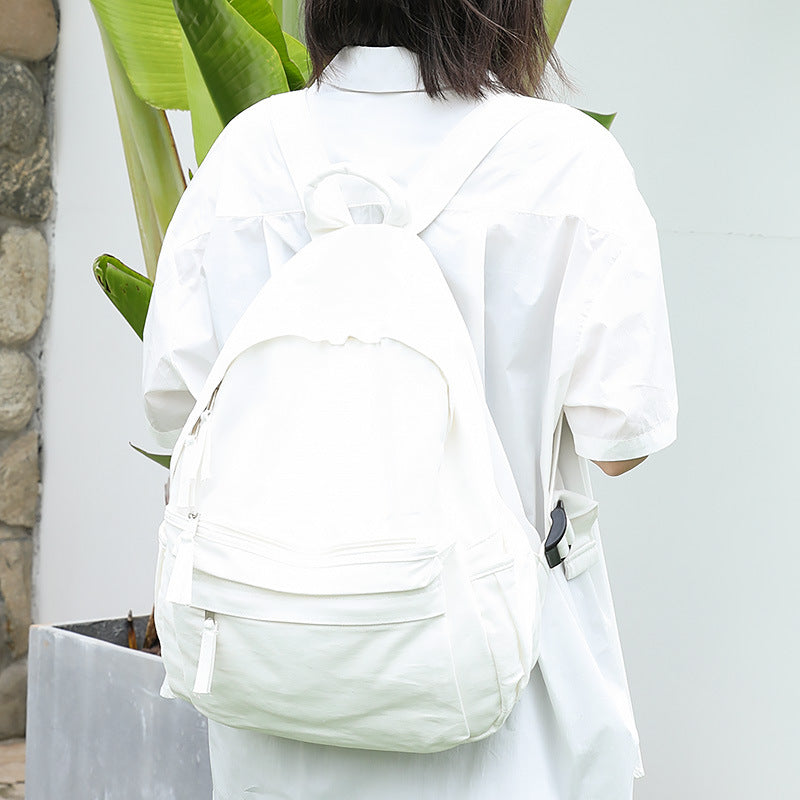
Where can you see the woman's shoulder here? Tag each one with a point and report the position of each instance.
(565, 131)
(254, 176)
(556, 161)
(571, 165)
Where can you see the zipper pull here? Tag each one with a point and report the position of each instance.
(204, 446)
(213, 398)
(179, 589)
(207, 655)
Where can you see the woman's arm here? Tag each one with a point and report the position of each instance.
(179, 338)
(621, 400)
(615, 468)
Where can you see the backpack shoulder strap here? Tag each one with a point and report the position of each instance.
(445, 170)
(303, 150)
(460, 153)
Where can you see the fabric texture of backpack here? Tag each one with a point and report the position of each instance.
(344, 558)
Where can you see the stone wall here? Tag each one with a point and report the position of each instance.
(28, 35)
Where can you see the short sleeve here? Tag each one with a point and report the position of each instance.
(621, 401)
(179, 342)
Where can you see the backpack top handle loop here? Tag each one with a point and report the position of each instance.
(429, 192)
(323, 217)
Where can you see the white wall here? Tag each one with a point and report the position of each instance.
(100, 503)
(701, 541)
(700, 555)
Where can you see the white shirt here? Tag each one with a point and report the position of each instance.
(553, 259)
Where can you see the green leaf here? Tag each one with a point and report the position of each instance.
(298, 54)
(604, 119)
(239, 66)
(555, 11)
(159, 458)
(147, 38)
(262, 18)
(128, 290)
(206, 122)
(288, 12)
(154, 170)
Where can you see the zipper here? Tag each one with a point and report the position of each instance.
(214, 531)
(191, 437)
(203, 416)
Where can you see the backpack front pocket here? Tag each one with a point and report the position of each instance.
(321, 655)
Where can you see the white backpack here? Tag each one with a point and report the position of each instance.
(345, 558)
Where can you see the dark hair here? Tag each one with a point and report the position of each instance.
(458, 42)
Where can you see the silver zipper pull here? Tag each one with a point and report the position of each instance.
(204, 446)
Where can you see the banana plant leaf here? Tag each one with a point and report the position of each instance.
(239, 66)
(262, 18)
(604, 119)
(298, 54)
(206, 121)
(555, 11)
(154, 169)
(159, 458)
(147, 39)
(288, 12)
(128, 290)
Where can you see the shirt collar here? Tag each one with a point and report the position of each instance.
(360, 68)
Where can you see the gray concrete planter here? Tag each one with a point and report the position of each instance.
(97, 726)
